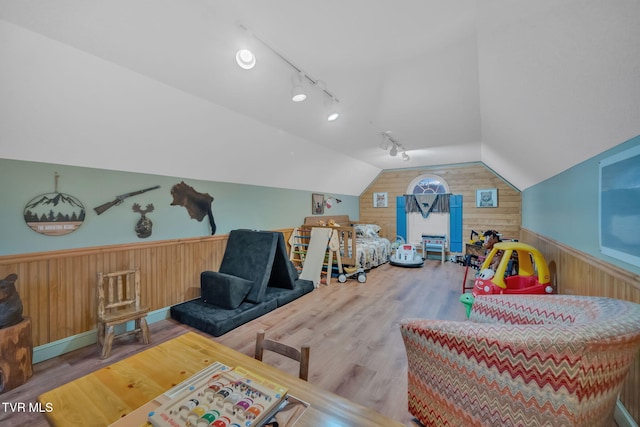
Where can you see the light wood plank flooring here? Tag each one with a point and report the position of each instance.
(356, 347)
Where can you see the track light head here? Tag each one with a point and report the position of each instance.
(332, 110)
(297, 91)
(405, 156)
(385, 143)
(245, 59)
(394, 150)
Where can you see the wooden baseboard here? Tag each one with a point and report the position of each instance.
(65, 345)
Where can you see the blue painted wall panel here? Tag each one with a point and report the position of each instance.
(401, 218)
(565, 207)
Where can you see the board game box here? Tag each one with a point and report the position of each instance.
(221, 396)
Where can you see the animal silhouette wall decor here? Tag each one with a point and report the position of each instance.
(197, 204)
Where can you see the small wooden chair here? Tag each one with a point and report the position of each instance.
(301, 355)
(119, 302)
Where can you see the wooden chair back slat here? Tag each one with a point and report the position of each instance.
(119, 302)
(301, 356)
(122, 289)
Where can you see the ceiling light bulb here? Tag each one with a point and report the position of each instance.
(332, 116)
(298, 95)
(245, 59)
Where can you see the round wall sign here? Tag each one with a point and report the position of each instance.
(54, 214)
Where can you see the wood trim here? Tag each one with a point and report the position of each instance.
(579, 273)
(35, 256)
(58, 288)
(571, 273)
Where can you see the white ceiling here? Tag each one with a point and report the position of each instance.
(528, 88)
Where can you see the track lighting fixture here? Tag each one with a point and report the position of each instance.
(385, 143)
(297, 91)
(332, 112)
(301, 80)
(394, 147)
(245, 58)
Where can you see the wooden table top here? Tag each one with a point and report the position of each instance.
(113, 392)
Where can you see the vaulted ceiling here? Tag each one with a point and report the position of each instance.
(530, 88)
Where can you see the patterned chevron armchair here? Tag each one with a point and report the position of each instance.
(526, 360)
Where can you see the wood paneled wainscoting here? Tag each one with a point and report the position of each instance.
(58, 288)
(578, 273)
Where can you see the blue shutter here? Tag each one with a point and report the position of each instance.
(455, 223)
(401, 218)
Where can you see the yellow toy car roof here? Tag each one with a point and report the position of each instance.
(531, 262)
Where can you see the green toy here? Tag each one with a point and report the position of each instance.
(467, 299)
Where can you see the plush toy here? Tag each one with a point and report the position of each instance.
(10, 303)
(467, 299)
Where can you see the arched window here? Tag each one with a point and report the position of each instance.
(428, 184)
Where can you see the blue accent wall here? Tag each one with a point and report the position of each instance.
(565, 208)
(234, 206)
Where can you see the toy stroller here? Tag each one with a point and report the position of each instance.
(346, 272)
(352, 271)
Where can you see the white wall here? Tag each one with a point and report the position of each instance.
(435, 224)
(558, 74)
(89, 112)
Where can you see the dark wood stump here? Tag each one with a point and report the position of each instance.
(16, 355)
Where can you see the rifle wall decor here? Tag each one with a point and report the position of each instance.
(54, 214)
(119, 199)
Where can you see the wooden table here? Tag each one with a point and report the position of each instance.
(116, 391)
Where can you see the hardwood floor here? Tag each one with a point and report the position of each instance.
(352, 328)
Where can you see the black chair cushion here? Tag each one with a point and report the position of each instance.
(223, 290)
(249, 255)
(217, 321)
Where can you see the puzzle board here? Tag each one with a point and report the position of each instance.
(220, 397)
